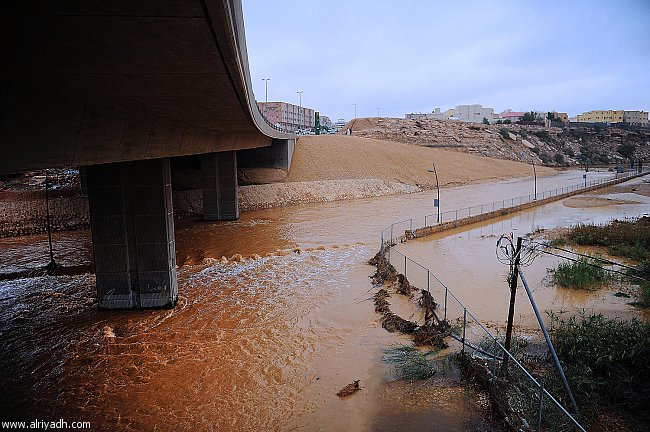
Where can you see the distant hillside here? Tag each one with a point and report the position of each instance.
(549, 146)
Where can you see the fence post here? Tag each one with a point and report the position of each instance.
(411, 224)
(481, 208)
(428, 275)
(494, 359)
(540, 407)
(456, 214)
(464, 325)
(391, 233)
(469, 212)
(404, 265)
(446, 290)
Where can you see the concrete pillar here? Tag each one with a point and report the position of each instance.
(219, 181)
(131, 217)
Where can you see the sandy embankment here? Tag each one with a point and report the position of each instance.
(334, 167)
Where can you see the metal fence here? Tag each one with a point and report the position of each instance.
(534, 403)
(476, 210)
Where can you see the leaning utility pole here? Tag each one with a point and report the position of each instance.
(514, 276)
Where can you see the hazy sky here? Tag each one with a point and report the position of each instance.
(415, 55)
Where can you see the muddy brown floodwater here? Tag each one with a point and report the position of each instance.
(263, 344)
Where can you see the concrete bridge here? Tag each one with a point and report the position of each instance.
(129, 90)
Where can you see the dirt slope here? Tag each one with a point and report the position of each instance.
(334, 157)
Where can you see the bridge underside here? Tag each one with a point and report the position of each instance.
(120, 88)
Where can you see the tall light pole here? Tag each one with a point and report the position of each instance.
(377, 112)
(300, 110)
(535, 176)
(355, 110)
(436, 202)
(266, 87)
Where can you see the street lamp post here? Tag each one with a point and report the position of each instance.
(436, 202)
(535, 176)
(355, 110)
(377, 112)
(300, 110)
(266, 88)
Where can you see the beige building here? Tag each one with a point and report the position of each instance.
(287, 116)
(602, 116)
(560, 116)
(636, 118)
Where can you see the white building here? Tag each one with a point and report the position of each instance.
(474, 113)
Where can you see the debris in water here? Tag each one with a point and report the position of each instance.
(385, 270)
(108, 332)
(381, 304)
(404, 287)
(394, 323)
(349, 389)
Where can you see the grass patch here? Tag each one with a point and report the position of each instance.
(606, 362)
(630, 239)
(579, 275)
(410, 363)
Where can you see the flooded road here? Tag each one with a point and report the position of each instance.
(262, 344)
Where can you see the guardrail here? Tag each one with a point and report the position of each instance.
(537, 404)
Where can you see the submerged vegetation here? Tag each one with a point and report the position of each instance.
(410, 364)
(580, 275)
(625, 238)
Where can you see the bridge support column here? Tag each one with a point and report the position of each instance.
(219, 182)
(131, 217)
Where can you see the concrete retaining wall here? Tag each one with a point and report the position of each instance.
(429, 230)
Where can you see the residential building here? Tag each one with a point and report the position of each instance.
(417, 116)
(636, 118)
(474, 113)
(287, 116)
(326, 122)
(513, 116)
(562, 117)
(601, 116)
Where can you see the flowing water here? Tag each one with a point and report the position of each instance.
(262, 344)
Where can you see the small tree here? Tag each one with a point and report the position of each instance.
(531, 116)
(507, 121)
(626, 150)
(485, 121)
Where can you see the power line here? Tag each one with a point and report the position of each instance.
(595, 265)
(586, 256)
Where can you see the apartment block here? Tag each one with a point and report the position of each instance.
(287, 116)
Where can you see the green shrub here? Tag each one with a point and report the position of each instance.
(505, 133)
(579, 275)
(606, 363)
